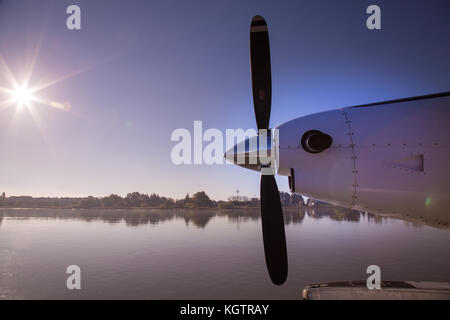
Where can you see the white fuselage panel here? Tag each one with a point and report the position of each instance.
(390, 159)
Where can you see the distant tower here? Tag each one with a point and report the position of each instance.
(237, 195)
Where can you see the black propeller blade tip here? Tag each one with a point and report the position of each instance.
(261, 73)
(273, 230)
(258, 21)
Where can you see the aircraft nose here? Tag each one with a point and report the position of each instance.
(251, 153)
(230, 155)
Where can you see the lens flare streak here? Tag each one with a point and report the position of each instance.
(22, 94)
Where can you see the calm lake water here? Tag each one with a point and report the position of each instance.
(164, 254)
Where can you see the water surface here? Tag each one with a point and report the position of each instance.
(204, 254)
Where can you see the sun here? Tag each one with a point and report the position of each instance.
(22, 96)
(24, 93)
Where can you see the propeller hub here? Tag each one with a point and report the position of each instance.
(253, 153)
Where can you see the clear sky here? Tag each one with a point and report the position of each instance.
(140, 69)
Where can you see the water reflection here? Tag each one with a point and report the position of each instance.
(204, 254)
(196, 217)
(336, 214)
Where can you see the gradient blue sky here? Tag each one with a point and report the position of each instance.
(154, 66)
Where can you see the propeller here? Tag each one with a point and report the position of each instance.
(271, 212)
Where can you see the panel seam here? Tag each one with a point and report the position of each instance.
(354, 157)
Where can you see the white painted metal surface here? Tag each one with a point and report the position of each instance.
(389, 159)
(390, 290)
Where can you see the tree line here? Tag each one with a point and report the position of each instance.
(140, 200)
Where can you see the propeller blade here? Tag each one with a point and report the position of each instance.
(260, 68)
(271, 212)
(273, 230)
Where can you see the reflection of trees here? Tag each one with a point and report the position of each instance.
(241, 215)
(198, 217)
(376, 218)
(130, 217)
(334, 213)
(292, 216)
(136, 218)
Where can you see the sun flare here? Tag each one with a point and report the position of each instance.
(22, 96)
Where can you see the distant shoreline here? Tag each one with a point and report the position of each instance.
(135, 200)
(165, 208)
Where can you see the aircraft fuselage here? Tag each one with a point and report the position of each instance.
(390, 158)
